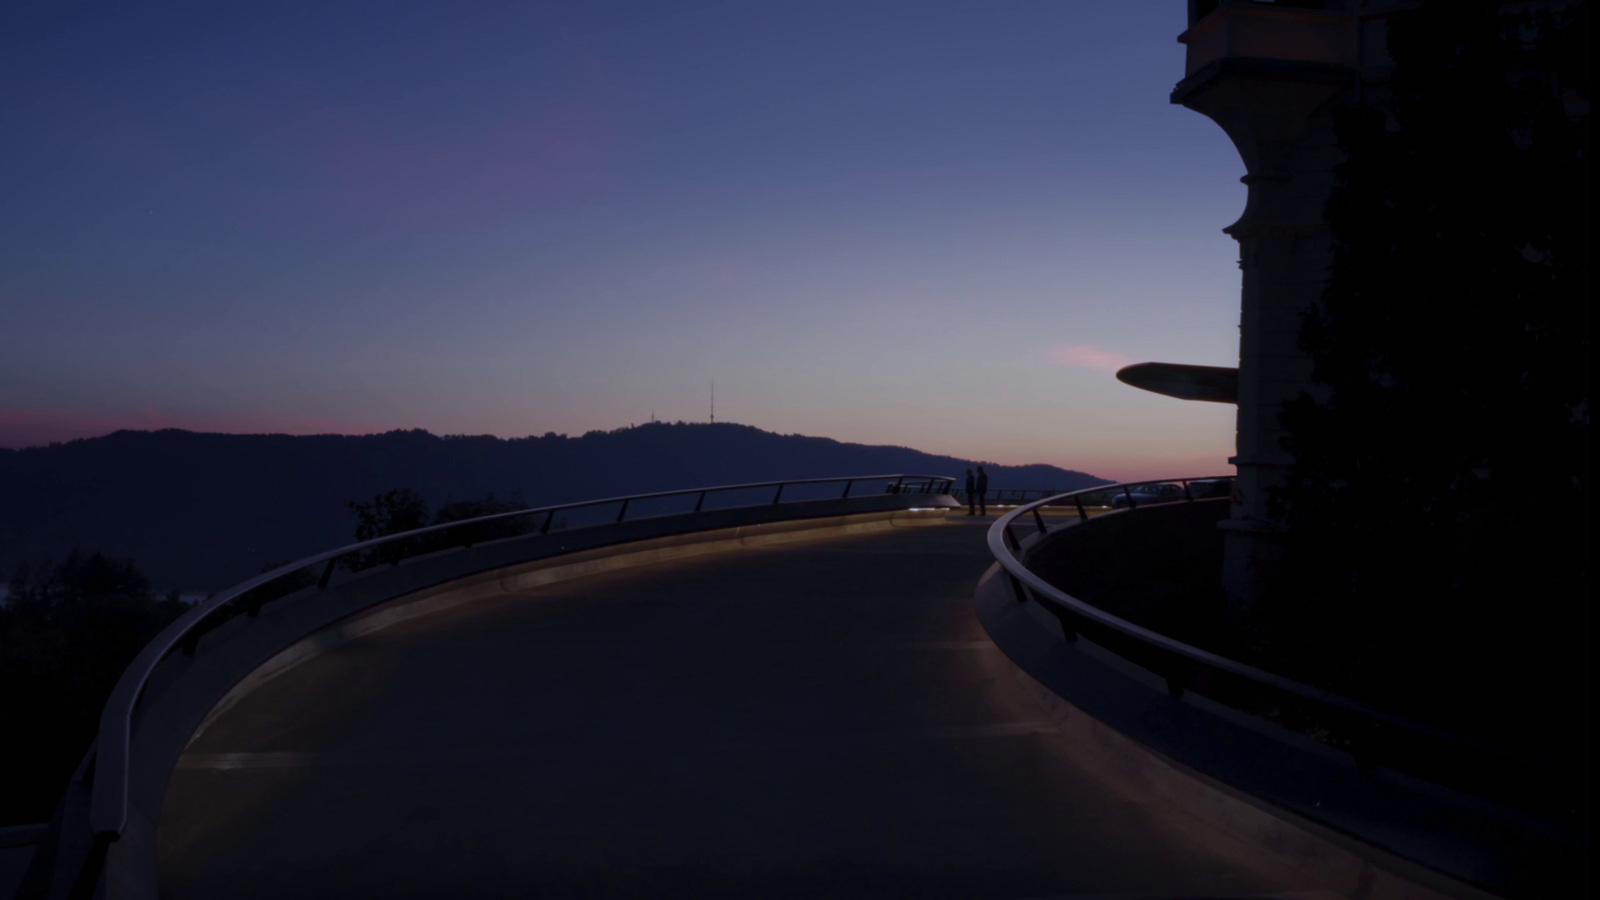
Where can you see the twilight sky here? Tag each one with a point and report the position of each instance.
(935, 224)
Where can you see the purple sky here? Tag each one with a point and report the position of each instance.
(941, 225)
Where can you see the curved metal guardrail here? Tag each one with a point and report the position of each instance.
(1007, 496)
(108, 812)
(1371, 735)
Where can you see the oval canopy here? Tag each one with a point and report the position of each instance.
(1211, 383)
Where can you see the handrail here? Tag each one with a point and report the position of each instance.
(108, 811)
(1000, 534)
(999, 496)
(1369, 720)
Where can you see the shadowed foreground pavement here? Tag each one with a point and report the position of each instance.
(819, 720)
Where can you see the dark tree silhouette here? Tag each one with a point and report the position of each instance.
(472, 509)
(1438, 509)
(394, 512)
(66, 633)
(403, 509)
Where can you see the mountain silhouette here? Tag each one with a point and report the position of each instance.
(198, 512)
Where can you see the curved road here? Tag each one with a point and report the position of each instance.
(825, 719)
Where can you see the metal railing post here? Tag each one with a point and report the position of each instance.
(779, 495)
(1188, 497)
(1017, 588)
(622, 512)
(1069, 624)
(327, 573)
(701, 502)
(847, 485)
(1082, 513)
(548, 517)
(1038, 520)
(1129, 494)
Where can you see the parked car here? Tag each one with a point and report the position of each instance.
(1147, 494)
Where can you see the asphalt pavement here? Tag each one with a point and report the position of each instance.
(817, 720)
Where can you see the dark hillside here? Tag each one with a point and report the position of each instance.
(201, 511)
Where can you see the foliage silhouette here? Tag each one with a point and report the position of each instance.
(403, 509)
(66, 633)
(1438, 550)
(394, 512)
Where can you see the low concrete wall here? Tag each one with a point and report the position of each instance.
(185, 691)
(18, 844)
(1114, 697)
(1122, 548)
(1363, 832)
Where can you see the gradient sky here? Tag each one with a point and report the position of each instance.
(934, 224)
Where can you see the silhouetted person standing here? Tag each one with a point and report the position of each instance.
(983, 492)
(972, 494)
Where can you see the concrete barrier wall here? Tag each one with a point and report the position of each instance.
(1363, 832)
(17, 846)
(1117, 549)
(185, 691)
(1104, 707)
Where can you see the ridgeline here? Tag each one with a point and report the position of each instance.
(198, 512)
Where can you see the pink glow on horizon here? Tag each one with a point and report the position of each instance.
(1088, 356)
(1145, 470)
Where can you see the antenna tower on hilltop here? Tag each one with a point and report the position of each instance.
(713, 401)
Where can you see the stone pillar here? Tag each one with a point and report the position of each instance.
(1271, 76)
(1286, 255)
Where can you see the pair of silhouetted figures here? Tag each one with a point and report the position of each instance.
(978, 493)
